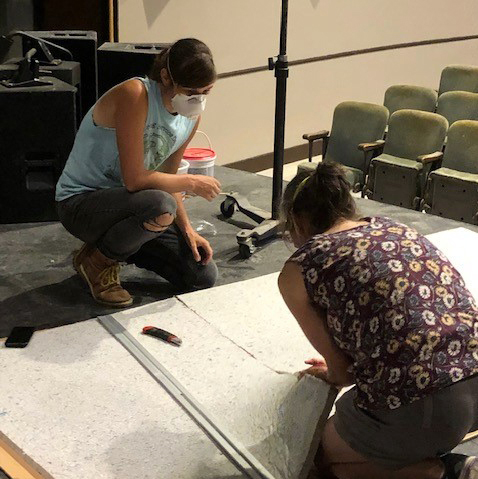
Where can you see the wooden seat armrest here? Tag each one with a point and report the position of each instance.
(371, 146)
(315, 136)
(431, 157)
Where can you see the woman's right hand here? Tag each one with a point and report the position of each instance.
(318, 368)
(316, 362)
(206, 186)
(320, 372)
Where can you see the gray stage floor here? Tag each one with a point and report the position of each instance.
(38, 285)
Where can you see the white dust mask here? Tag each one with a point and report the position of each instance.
(189, 106)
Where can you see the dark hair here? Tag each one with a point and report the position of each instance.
(190, 63)
(323, 199)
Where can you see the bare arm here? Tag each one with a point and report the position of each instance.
(130, 112)
(313, 324)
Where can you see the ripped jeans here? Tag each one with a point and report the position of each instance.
(113, 220)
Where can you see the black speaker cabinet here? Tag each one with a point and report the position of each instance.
(69, 72)
(83, 46)
(38, 127)
(118, 62)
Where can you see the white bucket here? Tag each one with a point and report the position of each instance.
(183, 167)
(182, 170)
(201, 160)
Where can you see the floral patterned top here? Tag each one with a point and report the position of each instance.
(396, 306)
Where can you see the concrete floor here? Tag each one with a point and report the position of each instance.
(38, 286)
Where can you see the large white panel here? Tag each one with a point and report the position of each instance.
(80, 406)
(257, 320)
(270, 412)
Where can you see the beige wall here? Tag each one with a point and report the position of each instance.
(240, 113)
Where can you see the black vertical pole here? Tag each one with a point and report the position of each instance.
(281, 67)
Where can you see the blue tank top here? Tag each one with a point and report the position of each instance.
(94, 163)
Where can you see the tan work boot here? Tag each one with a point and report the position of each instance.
(80, 254)
(102, 276)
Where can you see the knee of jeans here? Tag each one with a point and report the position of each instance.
(203, 277)
(160, 223)
(156, 203)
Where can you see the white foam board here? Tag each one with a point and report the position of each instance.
(78, 404)
(273, 414)
(253, 315)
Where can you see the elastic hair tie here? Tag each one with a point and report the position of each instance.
(300, 187)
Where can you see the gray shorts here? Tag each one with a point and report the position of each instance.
(421, 430)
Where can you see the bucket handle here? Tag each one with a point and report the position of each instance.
(207, 138)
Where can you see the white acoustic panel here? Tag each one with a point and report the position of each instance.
(253, 315)
(271, 413)
(79, 405)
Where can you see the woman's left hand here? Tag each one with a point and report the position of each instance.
(195, 241)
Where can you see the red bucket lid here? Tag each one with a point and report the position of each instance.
(192, 154)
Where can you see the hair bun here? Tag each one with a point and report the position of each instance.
(329, 170)
(330, 176)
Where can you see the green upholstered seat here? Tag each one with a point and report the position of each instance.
(353, 123)
(400, 162)
(398, 175)
(400, 97)
(459, 78)
(306, 166)
(456, 175)
(452, 190)
(458, 105)
(354, 176)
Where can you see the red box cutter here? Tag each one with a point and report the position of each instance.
(162, 334)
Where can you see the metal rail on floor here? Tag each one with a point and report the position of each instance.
(236, 452)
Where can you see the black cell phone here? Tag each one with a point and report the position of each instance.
(19, 337)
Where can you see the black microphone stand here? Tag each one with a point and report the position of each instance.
(268, 223)
(28, 71)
